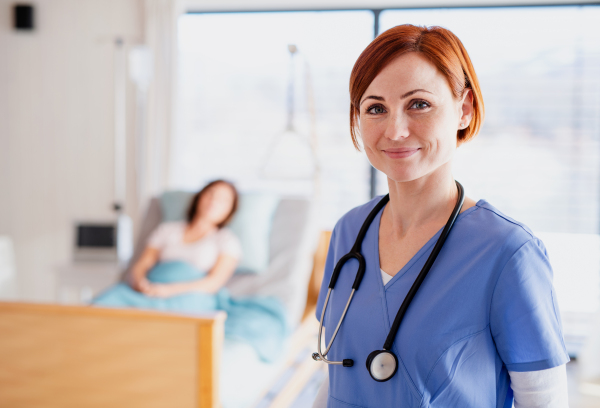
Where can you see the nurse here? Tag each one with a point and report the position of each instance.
(483, 327)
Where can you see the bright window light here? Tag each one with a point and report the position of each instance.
(234, 71)
(537, 157)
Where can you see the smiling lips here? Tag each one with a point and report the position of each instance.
(400, 153)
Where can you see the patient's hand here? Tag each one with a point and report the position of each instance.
(137, 283)
(162, 290)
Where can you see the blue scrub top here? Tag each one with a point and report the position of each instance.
(487, 306)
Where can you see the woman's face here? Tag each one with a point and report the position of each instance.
(409, 118)
(216, 203)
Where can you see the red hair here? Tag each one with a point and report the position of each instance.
(440, 46)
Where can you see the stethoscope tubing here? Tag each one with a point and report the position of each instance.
(322, 355)
(355, 253)
(428, 264)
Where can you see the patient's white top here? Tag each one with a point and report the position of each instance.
(202, 254)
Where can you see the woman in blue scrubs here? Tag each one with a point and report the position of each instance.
(484, 325)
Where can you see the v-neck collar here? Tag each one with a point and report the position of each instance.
(424, 249)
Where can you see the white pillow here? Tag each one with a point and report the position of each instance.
(252, 224)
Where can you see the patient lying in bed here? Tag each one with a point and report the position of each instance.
(194, 257)
(186, 265)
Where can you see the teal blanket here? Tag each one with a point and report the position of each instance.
(257, 320)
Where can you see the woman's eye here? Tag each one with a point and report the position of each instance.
(376, 110)
(419, 105)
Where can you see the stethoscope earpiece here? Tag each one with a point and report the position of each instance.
(382, 365)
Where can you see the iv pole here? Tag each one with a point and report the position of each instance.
(124, 232)
(302, 145)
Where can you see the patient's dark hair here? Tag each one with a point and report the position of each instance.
(193, 208)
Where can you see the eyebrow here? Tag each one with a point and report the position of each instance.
(406, 95)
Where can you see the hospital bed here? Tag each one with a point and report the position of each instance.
(74, 356)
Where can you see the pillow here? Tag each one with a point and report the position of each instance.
(174, 205)
(252, 224)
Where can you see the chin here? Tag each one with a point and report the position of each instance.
(402, 178)
(402, 174)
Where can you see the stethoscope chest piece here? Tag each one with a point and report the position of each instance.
(382, 365)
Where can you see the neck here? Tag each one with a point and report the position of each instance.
(425, 201)
(201, 226)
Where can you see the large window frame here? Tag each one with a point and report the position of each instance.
(192, 8)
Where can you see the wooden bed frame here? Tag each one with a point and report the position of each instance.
(55, 356)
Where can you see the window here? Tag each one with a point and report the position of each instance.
(538, 155)
(537, 158)
(232, 99)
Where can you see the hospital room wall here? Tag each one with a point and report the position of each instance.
(57, 128)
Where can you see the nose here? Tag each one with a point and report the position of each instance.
(397, 127)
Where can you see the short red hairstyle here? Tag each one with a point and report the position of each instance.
(440, 46)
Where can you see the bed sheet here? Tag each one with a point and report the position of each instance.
(244, 377)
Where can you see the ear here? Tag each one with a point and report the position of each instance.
(466, 109)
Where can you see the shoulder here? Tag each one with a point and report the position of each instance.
(495, 215)
(228, 242)
(354, 218)
(494, 229)
(226, 237)
(348, 226)
(497, 223)
(226, 234)
(166, 232)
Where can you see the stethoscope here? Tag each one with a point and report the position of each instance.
(381, 364)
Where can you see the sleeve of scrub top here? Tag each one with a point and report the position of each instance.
(524, 317)
(540, 389)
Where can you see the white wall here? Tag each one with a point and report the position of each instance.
(56, 128)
